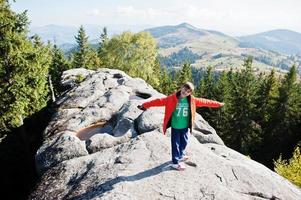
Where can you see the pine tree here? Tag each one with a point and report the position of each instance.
(93, 60)
(266, 99)
(288, 103)
(207, 88)
(103, 40)
(80, 57)
(166, 84)
(222, 87)
(287, 95)
(285, 122)
(23, 70)
(244, 132)
(219, 119)
(184, 75)
(58, 65)
(154, 79)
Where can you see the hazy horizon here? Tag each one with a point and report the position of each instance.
(147, 26)
(232, 17)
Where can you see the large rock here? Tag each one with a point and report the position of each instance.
(63, 147)
(100, 146)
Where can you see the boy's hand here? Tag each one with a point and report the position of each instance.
(222, 104)
(141, 107)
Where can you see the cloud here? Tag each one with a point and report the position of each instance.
(195, 13)
(94, 12)
(127, 11)
(171, 14)
(236, 17)
(136, 13)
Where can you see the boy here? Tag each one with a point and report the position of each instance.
(180, 108)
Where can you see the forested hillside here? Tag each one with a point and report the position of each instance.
(223, 52)
(284, 41)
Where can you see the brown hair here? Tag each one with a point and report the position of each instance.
(189, 85)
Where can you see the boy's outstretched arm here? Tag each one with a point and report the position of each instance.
(202, 102)
(152, 103)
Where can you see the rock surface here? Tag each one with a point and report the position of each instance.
(100, 146)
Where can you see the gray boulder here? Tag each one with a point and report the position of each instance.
(63, 147)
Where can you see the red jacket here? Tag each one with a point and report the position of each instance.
(170, 103)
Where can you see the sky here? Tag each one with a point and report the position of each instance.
(233, 17)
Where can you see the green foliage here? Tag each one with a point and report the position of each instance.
(262, 114)
(81, 56)
(185, 55)
(266, 98)
(58, 64)
(290, 169)
(79, 78)
(241, 110)
(23, 70)
(93, 61)
(184, 75)
(103, 40)
(222, 88)
(155, 78)
(288, 103)
(219, 117)
(167, 85)
(206, 87)
(283, 128)
(84, 57)
(133, 53)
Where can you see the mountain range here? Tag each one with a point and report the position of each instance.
(281, 40)
(63, 35)
(276, 48)
(223, 51)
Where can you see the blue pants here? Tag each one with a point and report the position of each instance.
(179, 140)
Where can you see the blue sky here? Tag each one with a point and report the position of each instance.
(234, 17)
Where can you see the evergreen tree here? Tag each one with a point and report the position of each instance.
(285, 123)
(222, 87)
(58, 65)
(80, 57)
(266, 99)
(166, 84)
(219, 119)
(287, 96)
(154, 79)
(184, 75)
(201, 91)
(93, 60)
(23, 70)
(265, 102)
(244, 133)
(103, 39)
(207, 88)
(197, 74)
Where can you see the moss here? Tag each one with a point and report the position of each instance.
(79, 78)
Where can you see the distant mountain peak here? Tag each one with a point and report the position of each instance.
(186, 25)
(279, 40)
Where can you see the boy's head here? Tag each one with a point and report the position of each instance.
(186, 89)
